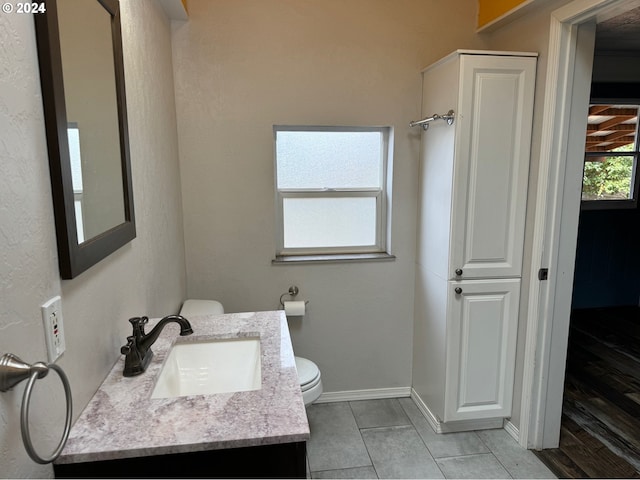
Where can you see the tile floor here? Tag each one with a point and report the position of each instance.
(390, 438)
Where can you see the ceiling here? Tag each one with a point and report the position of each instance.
(610, 127)
(613, 126)
(621, 32)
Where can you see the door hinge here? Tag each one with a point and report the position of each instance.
(543, 274)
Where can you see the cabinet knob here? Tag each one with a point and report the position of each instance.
(458, 290)
(458, 272)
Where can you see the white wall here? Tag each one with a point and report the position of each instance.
(146, 276)
(240, 68)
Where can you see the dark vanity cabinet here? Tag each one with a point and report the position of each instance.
(284, 460)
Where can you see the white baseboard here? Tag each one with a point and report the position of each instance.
(434, 422)
(512, 430)
(455, 426)
(371, 394)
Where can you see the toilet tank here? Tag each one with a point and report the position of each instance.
(192, 308)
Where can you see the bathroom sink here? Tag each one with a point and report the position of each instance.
(209, 367)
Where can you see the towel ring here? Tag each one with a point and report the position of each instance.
(13, 371)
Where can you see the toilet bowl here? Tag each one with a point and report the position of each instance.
(191, 308)
(308, 372)
(310, 380)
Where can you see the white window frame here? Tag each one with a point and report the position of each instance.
(76, 177)
(625, 203)
(381, 196)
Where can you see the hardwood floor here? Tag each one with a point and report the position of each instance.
(600, 433)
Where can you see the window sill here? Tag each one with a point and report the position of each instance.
(608, 204)
(332, 258)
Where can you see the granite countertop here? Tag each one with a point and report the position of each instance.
(123, 421)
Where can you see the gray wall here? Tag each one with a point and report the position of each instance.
(240, 68)
(146, 276)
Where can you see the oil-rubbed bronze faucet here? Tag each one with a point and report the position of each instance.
(138, 348)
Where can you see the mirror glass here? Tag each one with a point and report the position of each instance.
(83, 94)
(89, 79)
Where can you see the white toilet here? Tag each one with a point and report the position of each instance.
(308, 372)
(192, 308)
(310, 380)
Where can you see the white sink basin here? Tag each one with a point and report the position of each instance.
(212, 366)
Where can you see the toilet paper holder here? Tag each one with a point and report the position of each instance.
(292, 292)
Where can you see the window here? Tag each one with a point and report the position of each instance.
(331, 189)
(610, 177)
(73, 134)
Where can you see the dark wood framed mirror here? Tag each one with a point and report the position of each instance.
(83, 92)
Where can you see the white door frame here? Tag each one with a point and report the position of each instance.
(556, 217)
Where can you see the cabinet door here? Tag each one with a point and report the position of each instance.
(481, 347)
(491, 167)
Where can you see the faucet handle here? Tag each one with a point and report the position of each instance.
(126, 349)
(138, 324)
(139, 321)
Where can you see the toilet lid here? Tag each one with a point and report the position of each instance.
(307, 371)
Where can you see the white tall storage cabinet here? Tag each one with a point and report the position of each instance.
(473, 191)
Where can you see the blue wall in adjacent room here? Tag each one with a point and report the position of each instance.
(607, 259)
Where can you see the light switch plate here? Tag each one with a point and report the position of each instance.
(53, 328)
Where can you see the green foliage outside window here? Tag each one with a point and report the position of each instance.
(608, 178)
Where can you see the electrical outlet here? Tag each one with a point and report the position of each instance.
(53, 328)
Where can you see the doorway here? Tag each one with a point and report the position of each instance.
(571, 50)
(601, 405)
